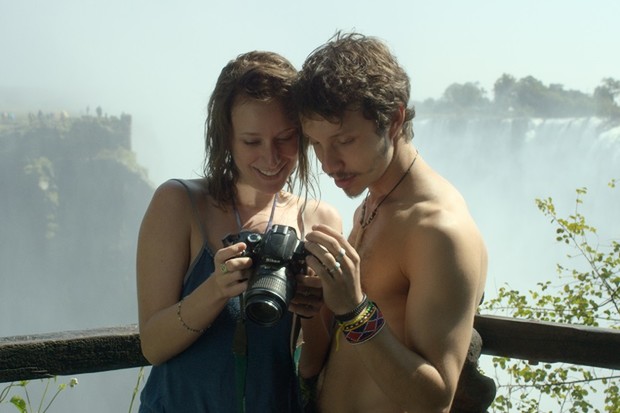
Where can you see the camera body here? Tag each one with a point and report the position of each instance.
(277, 257)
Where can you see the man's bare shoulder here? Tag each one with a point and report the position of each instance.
(445, 243)
(438, 207)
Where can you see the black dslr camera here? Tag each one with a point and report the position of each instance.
(277, 257)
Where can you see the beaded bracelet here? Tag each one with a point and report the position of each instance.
(193, 330)
(360, 319)
(363, 327)
(343, 318)
(366, 328)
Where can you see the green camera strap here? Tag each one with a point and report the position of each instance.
(240, 339)
(240, 350)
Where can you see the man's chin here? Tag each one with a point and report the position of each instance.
(353, 193)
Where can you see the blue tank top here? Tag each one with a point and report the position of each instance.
(201, 379)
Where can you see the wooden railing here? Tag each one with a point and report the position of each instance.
(104, 349)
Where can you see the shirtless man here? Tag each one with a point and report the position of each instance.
(405, 286)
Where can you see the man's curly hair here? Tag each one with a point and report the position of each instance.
(354, 72)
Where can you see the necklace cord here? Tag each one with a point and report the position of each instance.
(269, 223)
(374, 211)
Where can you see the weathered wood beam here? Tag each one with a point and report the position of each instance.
(539, 341)
(76, 352)
(69, 353)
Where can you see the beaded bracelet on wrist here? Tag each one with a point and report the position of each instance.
(367, 328)
(360, 319)
(193, 330)
(363, 327)
(343, 318)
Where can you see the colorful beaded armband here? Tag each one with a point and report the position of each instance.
(367, 328)
(363, 327)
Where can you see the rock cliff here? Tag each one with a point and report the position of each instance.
(71, 199)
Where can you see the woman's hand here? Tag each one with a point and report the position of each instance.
(230, 277)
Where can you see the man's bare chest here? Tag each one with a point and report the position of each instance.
(381, 267)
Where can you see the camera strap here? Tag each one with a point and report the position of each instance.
(240, 351)
(273, 210)
(240, 339)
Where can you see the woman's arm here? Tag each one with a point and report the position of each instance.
(168, 325)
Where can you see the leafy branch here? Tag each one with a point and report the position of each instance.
(24, 404)
(588, 297)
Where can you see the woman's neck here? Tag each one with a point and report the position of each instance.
(254, 209)
(251, 199)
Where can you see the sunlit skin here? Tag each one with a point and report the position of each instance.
(421, 260)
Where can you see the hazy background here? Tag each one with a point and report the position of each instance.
(158, 61)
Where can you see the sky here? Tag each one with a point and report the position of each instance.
(158, 61)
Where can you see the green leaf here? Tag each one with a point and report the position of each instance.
(19, 403)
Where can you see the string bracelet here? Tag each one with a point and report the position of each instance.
(343, 318)
(193, 330)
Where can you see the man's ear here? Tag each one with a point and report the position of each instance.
(396, 125)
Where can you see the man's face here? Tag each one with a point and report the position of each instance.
(351, 152)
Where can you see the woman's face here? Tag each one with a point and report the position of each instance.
(264, 144)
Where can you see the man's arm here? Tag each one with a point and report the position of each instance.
(443, 266)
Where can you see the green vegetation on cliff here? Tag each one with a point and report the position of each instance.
(526, 97)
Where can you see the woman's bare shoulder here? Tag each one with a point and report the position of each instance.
(318, 211)
(174, 196)
(180, 187)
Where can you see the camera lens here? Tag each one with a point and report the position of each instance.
(268, 295)
(263, 311)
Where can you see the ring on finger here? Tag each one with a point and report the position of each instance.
(223, 268)
(341, 254)
(335, 268)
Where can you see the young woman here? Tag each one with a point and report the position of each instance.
(207, 356)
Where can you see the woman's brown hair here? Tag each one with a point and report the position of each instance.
(256, 75)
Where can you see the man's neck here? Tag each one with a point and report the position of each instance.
(399, 167)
